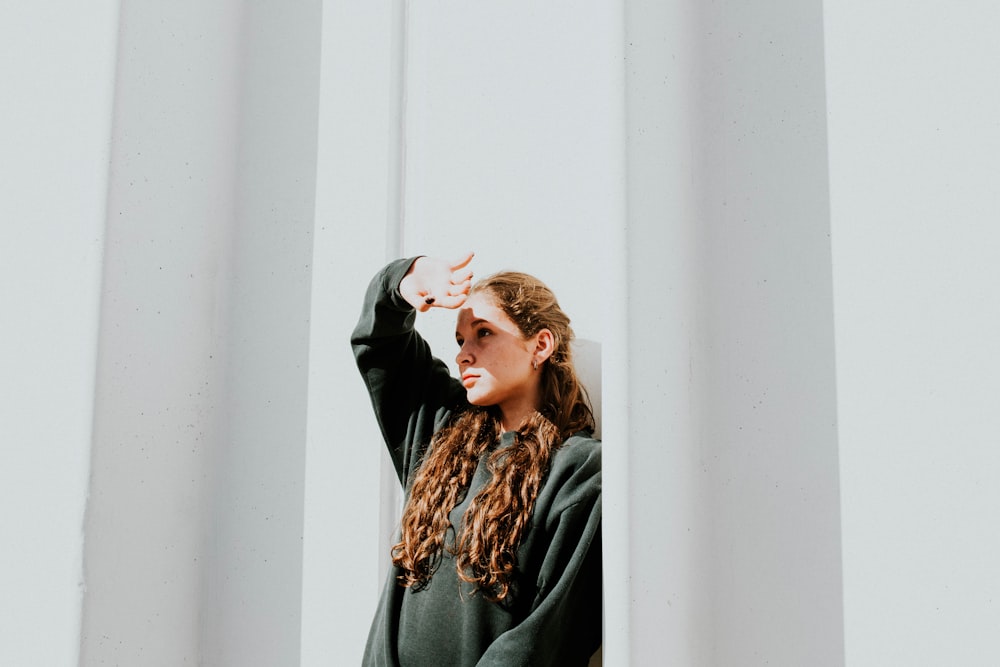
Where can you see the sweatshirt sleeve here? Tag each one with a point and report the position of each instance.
(564, 625)
(411, 391)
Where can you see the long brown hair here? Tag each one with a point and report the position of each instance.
(498, 516)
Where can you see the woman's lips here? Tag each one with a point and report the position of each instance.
(469, 379)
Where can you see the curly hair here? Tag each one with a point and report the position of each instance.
(498, 517)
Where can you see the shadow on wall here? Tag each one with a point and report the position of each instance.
(587, 359)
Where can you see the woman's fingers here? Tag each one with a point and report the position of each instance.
(451, 297)
(436, 283)
(463, 262)
(460, 282)
(460, 288)
(451, 301)
(461, 275)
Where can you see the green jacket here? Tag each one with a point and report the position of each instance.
(554, 618)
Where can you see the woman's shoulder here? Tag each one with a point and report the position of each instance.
(580, 450)
(575, 471)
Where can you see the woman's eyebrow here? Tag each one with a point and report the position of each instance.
(472, 324)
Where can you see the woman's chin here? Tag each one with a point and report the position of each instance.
(477, 398)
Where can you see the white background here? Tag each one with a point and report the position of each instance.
(777, 220)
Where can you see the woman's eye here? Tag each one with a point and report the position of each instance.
(483, 333)
(459, 341)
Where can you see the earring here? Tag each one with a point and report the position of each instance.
(534, 364)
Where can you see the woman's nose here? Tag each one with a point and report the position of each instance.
(463, 356)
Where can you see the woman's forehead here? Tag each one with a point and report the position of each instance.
(480, 308)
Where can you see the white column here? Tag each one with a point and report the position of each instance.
(251, 604)
(668, 520)
(914, 165)
(734, 507)
(57, 62)
(160, 402)
(195, 517)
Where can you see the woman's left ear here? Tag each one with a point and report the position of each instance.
(545, 345)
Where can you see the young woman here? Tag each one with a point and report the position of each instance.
(499, 555)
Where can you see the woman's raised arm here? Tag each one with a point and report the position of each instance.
(411, 390)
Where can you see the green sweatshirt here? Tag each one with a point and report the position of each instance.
(554, 617)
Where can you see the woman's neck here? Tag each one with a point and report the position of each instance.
(511, 419)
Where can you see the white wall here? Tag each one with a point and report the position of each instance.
(54, 130)
(354, 197)
(914, 159)
(509, 130)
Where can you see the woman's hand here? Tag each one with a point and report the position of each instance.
(437, 283)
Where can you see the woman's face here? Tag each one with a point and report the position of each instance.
(495, 360)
